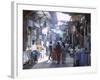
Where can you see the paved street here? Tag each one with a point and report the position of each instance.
(48, 64)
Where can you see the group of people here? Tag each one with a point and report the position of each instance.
(57, 52)
(82, 57)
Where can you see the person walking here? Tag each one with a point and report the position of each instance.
(58, 52)
(50, 50)
(63, 56)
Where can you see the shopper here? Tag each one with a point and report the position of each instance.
(58, 52)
